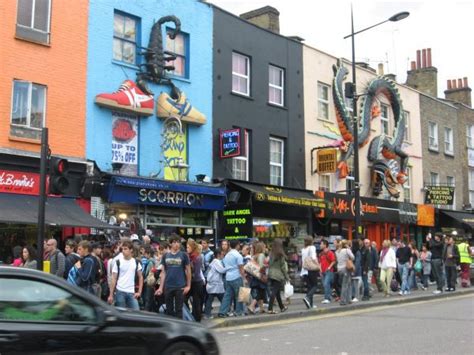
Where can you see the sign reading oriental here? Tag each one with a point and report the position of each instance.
(439, 195)
(237, 222)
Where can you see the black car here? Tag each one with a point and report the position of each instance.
(43, 314)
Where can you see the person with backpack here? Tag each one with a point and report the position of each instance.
(56, 258)
(149, 277)
(85, 270)
(175, 278)
(126, 275)
(100, 270)
(71, 256)
(215, 282)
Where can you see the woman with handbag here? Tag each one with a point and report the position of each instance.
(258, 281)
(309, 270)
(277, 274)
(345, 267)
(387, 265)
(425, 258)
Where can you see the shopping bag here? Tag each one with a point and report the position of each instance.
(288, 290)
(244, 294)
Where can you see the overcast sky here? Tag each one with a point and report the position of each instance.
(444, 26)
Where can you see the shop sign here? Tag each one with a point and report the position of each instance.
(426, 216)
(230, 143)
(327, 161)
(171, 198)
(174, 148)
(408, 213)
(125, 142)
(294, 201)
(439, 195)
(470, 157)
(237, 222)
(17, 182)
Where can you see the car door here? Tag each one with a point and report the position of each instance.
(39, 317)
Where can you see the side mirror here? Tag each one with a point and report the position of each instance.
(104, 318)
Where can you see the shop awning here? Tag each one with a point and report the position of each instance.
(64, 212)
(281, 195)
(465, 218)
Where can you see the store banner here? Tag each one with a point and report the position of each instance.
(426, 216)
(18, 182)
(439, 195)
(237, 222)
(125, 143)
(175, 150)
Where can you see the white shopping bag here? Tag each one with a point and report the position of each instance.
(288, 290)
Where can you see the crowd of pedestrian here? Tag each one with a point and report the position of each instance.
(185, 280)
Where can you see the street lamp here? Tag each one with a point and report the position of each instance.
(355, 120)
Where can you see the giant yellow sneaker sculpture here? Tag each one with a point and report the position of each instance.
(176, 104)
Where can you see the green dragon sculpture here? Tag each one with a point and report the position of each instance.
(383, 150)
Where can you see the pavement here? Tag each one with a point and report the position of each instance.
(297, 308)
(440, 325)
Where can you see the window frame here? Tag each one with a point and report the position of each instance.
(470, 136)
(433, 140)
(407, 137)
(407, 186)
(125, 40)
(281, 88)
(184, 56)
(27, 126)
(470, 180)
(323, 101)
(385, 119)
(448, 141)
(31, 33)
(247, 77)
(435, 181)
(452, 183)
(244, 158)
(321, 185)
(281, 164)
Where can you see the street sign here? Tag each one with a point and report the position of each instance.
(327, 160)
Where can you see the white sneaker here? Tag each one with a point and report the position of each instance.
(401, 293)
(405, 292)
(355, 300)
(437, 292)
(326, 301)
(314, 307)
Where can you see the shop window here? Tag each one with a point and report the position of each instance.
(276, 77)
(240, 165)
(125, 38)
(28, 109)
(33, 20)
(323, 101)
(179, 47)
(196, 217)
(162, 216)
(276, 161)
(240, 74)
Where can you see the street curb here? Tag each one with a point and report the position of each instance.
(394, 300)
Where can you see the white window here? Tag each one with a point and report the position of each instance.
(240, 74)
(323, 101)
(33, 20)
(384, 120)
(407, 126)
(240, 165)
(28, 109)
(276, 77)
(125, 38)
(471, 187)
(450, 181)
(448, 141)
(276, 161)
(470, 136)
(325, 183)
(178, 46)
(434, 179)
(433, 135)
(407, 187)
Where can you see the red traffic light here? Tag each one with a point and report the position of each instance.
(58, 179)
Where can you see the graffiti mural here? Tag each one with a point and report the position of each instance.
(389, 161)
(174, 150)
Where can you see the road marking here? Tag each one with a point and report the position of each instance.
(315, 347)
(246, 335)
(336, 315)
(231, 333)
(265, 339)
(288, 343)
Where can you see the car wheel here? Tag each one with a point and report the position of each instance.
(182, 348)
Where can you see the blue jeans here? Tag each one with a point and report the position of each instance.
(365, 281)
(403, 270)
(209, 300)
(126, 300)
(328, 278)
(232, 293)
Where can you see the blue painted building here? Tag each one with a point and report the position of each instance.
(160, 156)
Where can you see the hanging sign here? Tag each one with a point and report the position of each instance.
(327, 161)
(230, 143)
(237, 222)
(439, 195)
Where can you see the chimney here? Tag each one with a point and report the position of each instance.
(380, 69)
(266, 17)
(423, 76)
(459, 91)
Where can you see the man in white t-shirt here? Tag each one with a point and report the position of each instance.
(125, 271)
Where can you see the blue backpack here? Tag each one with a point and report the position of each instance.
(73, 276)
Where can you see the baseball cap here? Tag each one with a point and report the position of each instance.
(134, 237)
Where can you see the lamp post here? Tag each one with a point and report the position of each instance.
(355, 119)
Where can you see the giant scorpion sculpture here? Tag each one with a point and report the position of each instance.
(383, 150)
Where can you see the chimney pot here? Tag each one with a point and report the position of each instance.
(449, 85)
(465, 82)
(413, 65)
(429, 58)
(454, 82)
(418, 59)
(423, 58)
(380, 68)
(460, 83)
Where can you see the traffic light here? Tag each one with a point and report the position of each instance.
(58, 179)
